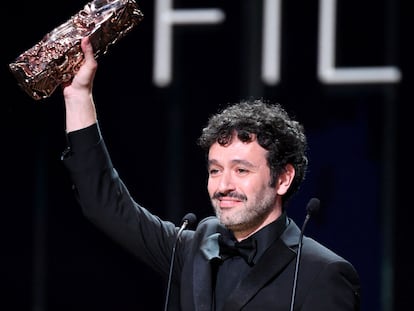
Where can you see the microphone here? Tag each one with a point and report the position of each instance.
(188, 220)
(311, 208)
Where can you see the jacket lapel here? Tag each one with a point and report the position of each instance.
(273, 261)
(202, 272)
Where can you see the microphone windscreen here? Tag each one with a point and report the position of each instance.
(191, 220)
(313, 206)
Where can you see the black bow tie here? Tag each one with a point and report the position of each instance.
(245, 249)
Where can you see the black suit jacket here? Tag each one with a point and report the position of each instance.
(326, 281)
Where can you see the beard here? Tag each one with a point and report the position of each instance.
(250, 215)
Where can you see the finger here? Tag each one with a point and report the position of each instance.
(87, 49)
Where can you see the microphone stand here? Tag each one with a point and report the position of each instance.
(189, 219)
(312, 207)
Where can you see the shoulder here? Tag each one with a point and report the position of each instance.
(321, 261)
(320, 252)
(208, 225)
(314, 252)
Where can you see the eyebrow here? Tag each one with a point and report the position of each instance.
(236, 161)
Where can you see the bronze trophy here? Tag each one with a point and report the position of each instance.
(57, 57)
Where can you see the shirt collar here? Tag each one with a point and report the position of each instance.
(268, 234)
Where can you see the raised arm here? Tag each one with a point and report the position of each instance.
(79, 105)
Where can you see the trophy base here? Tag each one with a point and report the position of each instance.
(57, 57)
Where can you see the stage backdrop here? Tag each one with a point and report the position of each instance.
(341, 67)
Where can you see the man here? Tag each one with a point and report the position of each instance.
(256, 159)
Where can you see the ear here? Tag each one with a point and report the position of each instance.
(285, 179)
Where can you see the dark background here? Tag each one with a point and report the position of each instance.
(52, 258)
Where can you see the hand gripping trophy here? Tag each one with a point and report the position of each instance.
(57, 57)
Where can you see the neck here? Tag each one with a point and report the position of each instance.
(245, 230)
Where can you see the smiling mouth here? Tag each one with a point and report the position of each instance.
(228, 202)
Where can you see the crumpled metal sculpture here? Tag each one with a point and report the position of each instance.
(57, 57)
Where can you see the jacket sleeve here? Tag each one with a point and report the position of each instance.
(106, 202)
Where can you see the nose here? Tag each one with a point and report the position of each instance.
(226, 183)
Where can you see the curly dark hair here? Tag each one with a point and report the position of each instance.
(276, 131)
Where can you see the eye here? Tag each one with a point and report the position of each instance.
(213, 171)
(242, 171)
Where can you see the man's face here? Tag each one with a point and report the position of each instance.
(238, 185)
